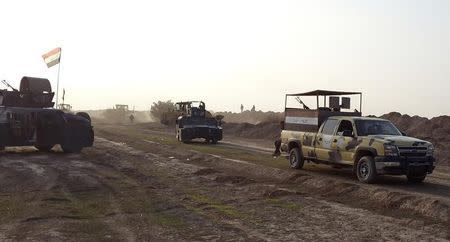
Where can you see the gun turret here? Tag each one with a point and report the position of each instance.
(33, 93)
(8, 85)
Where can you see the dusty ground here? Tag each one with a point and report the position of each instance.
(138, 183)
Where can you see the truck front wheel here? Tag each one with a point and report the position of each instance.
(365, 170)
(296, 160)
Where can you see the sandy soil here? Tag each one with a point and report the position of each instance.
(138, 183)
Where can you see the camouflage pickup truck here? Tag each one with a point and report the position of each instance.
(372, 146)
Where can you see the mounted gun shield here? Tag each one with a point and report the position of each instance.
(28, 119)
(195, 122)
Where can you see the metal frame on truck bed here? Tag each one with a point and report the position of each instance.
(309, 120)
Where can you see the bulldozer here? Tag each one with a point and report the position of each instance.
(120, 113)
(195, 122)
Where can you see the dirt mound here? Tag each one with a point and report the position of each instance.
(367, 196)
(252, 117)
(263, 130)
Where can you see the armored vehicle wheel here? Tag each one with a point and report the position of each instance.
(84, 115)
(181, 139)
(214, 141)
(296, 160)
(45, 148)
(71, 148)
(365, 170)
(416, 178)
(71, 144)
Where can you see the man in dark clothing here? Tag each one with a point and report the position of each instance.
(277, 142)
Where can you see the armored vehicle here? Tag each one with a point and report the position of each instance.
(195, 122)
(372, 146)
(28, 119)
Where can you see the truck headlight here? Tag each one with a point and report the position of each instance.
(430, 150)
(390, 150)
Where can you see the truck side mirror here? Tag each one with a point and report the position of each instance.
(403, 133)
(347, 133)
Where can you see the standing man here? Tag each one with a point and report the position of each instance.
(242, 108)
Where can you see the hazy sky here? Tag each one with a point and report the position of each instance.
(231, 52)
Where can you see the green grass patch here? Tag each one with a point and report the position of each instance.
(209, 202)
(166, 139)
(12, 207)
(284, 204)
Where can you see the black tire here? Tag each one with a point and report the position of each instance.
(70, 143)
(84, 115)
(71, 148)
(416, 178)
(214, 141)
(366, 170)
(296, 160)
(44, 148)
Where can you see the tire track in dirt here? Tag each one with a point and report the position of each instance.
(184, 168)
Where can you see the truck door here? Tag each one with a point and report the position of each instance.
(342, 151)
(324, 140)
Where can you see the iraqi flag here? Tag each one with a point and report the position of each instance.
(53, 57)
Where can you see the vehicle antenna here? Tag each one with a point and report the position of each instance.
(8, 85)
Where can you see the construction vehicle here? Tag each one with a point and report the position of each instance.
(119, 113)
(333, 134)
(195, 122)
(27, 118)
(65, 107)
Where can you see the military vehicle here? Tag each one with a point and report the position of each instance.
(65, 107)
(119, 113)
(28, 119)
(195, 122)
(372, 146)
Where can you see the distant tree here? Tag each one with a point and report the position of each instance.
(160, 109)
(253, 109)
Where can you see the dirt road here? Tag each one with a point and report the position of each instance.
(137, 183)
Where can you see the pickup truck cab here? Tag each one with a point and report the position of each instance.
(372, 146)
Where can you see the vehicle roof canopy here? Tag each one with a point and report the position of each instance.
(324, 93)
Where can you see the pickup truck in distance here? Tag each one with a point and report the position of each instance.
(372, 146)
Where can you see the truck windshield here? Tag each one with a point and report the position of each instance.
(375, 127)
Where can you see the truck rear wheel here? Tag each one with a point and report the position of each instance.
(365, 170)
(296, 160)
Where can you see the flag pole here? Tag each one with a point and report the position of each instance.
(57, 80)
